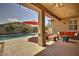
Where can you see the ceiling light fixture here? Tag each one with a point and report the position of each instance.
(59, 4)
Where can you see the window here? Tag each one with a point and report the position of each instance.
(73, 24)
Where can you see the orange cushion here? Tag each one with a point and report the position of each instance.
(67, 33)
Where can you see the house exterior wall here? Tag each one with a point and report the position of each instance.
(63, 25)
(78, 23)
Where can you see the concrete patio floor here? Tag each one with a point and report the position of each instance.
(70, 48)
(20, 47)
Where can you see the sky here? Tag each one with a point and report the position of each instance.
(15, 12)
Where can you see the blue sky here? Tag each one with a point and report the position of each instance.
(15, 11)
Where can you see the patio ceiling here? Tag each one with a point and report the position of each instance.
(67, 10)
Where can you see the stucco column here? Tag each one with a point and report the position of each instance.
(41, 31)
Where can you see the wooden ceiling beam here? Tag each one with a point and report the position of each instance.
(70, 17)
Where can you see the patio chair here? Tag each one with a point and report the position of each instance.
(53, 36)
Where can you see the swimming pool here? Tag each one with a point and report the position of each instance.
(6, 37)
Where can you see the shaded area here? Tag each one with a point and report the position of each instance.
(70, 48)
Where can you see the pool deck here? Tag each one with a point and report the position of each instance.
(19, 47)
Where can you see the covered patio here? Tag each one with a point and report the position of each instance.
(61, 17)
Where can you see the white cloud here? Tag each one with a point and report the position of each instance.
(13, 20)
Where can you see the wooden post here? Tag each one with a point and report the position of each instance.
(41, 31)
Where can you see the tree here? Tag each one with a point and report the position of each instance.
(46, 27)
(9, 28)
(34, 29)
(25, 28)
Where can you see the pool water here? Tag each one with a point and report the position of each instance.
(6, 37)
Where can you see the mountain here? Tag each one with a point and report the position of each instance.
(14, 28)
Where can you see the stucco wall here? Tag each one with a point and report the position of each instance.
(63, 25)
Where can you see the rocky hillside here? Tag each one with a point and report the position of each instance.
(14, 28)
